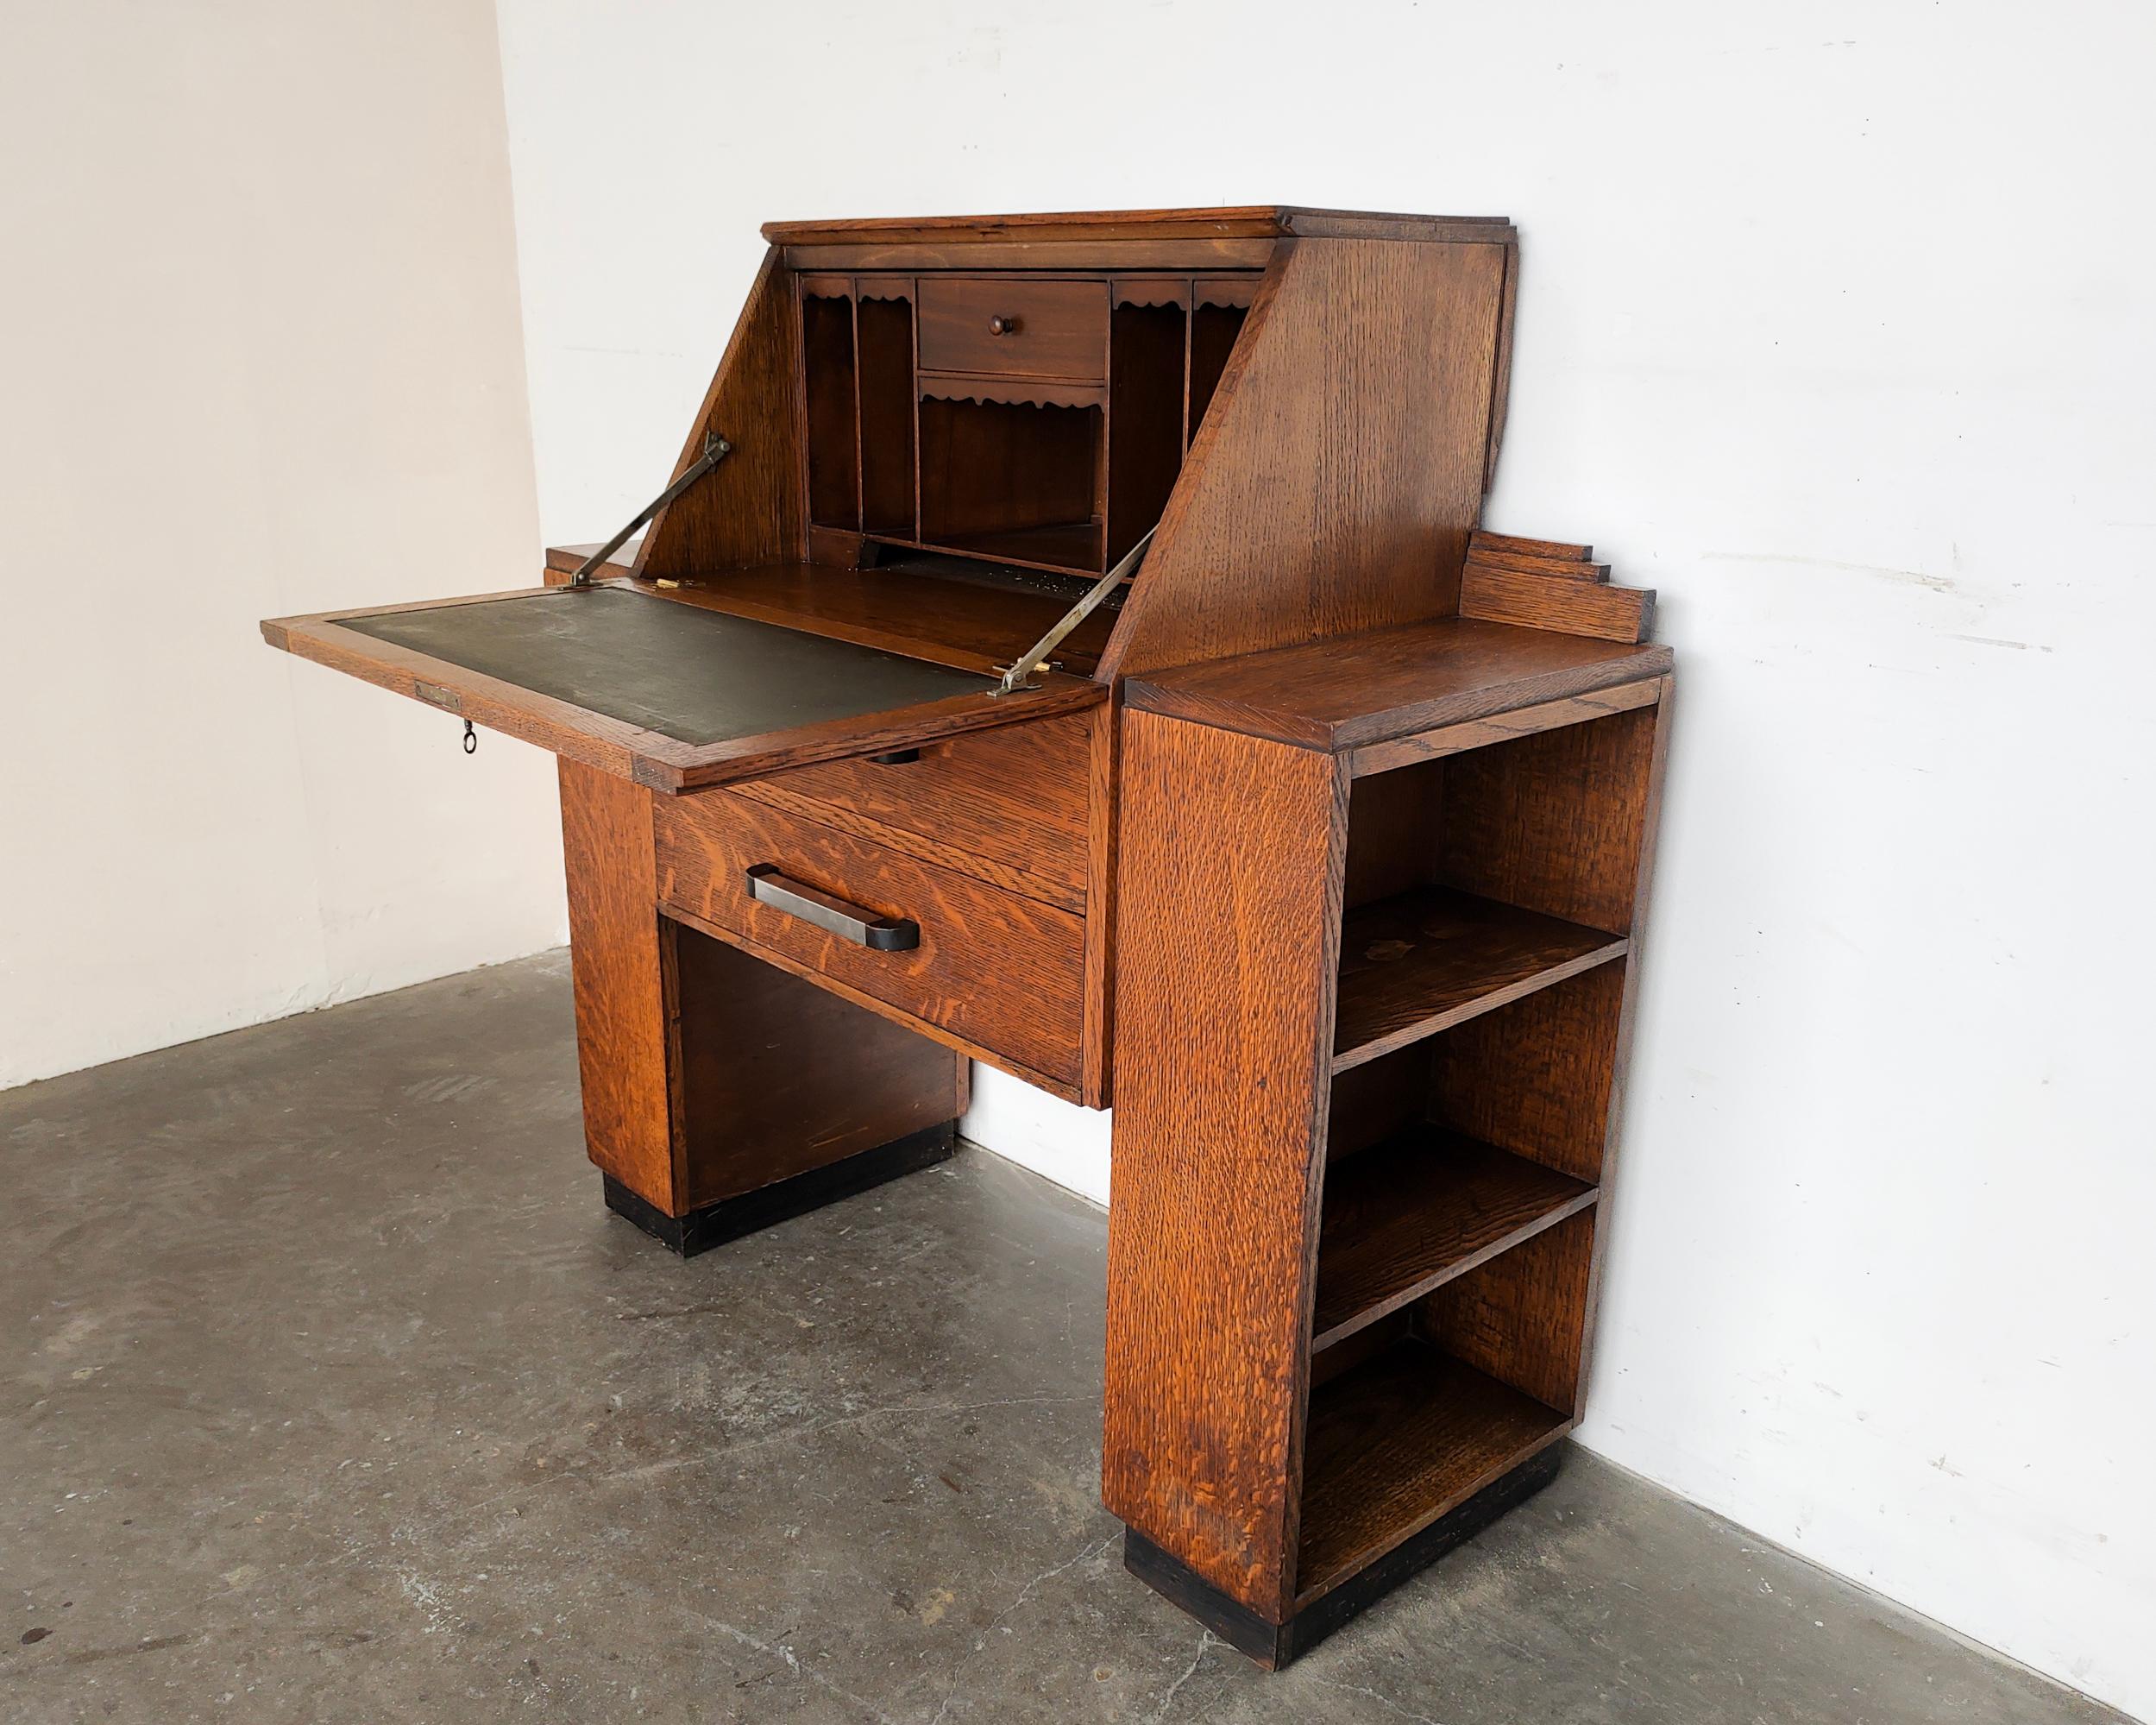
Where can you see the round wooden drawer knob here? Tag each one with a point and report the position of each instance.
(1002, 326)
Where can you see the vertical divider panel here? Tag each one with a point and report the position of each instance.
(1218, 306)
(883, 321)
(826, 320)
(1148, 337)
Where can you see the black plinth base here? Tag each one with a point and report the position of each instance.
(714, 1224)
(1276, 1645)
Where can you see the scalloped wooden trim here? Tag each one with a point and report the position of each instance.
(1015, 392)
(899, 287)
(1150, 290)
(1236, 293)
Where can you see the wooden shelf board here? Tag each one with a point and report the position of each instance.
(1408, 1214)
(966, 624)
(1396, 1443)
(1063, 547)
(1423, 961)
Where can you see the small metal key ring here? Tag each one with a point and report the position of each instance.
(471, 738)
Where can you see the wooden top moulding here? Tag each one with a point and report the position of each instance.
(1245, 220)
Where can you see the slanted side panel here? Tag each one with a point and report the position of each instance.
(1228, 933)
(750, 508)
(1339, 471)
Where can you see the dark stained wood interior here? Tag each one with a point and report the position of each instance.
(777, 1076)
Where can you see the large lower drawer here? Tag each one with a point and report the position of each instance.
(1001, 973)
(1009, 804)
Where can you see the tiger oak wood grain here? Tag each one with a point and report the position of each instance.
(1483, 540)
(1246, 558)
(621, 975)
(1224, 1023)
(1571, 607)
(1536, 1077)
(750, 508)
(1002, 971)
(1523, 563)
(1555, 821)
(1017, 797)
(1520, 1317)
(1322, 857)
(807, 970)
(1649, 808)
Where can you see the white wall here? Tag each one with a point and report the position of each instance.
(1836, 329)
(260, 354)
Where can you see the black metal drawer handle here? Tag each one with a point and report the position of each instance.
(768, 885)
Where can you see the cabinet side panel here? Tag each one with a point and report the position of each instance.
(621, 959)
(1643, 871)
(1228, 918)
(750, 508)
(1339, 469)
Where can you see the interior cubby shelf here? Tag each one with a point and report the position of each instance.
(1484, 946)
(1036, 424)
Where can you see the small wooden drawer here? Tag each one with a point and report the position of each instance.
(1007, 804)
(1002, 974)
(1015, 328)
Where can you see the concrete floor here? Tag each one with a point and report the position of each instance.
(333, 1393)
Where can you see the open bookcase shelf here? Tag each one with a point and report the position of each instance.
(1408, 1215)
(1479, 1003)
(1395, 1442)
(1420, 961)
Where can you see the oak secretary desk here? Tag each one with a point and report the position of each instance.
(1068, 643)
